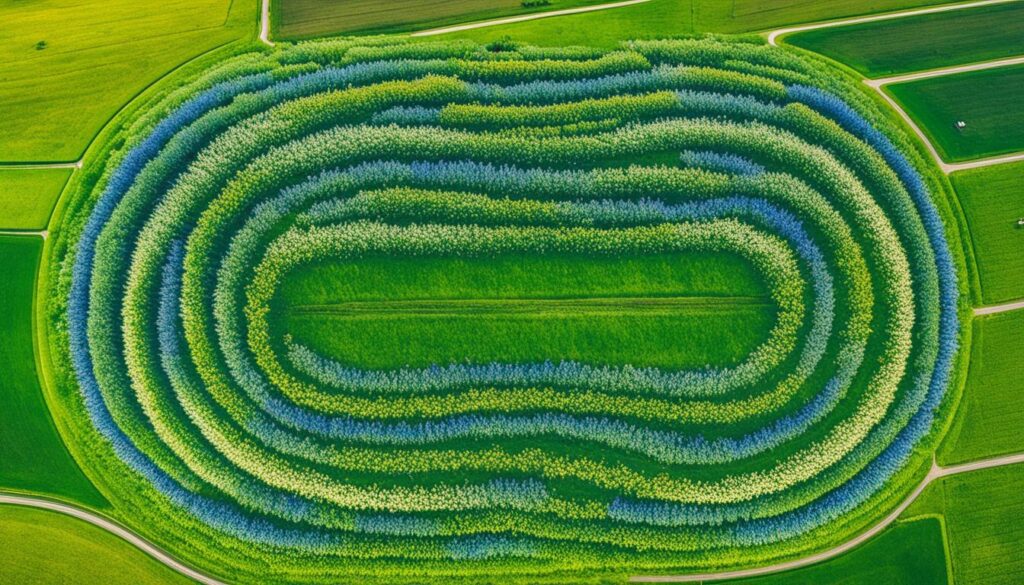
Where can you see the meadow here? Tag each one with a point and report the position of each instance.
(387, 177)
(992, 199)
(988, 101)
(32, 456)
(63, 71)
(989, 420)
(916, 43)
(47, 548)
(27, 196)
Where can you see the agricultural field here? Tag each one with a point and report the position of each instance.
(293, 19)
(27, 196)
(987, 101)
(46, 548)
(993, 201)
(989, 422)
(918, 43)
(586, 298)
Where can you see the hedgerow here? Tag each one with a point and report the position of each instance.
(241, 448)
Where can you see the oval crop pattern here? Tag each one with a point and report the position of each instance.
(386, 311)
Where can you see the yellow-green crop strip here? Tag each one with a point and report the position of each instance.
(238, 447)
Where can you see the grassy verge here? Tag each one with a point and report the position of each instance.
(929, 41)
(993, 201)
(988, 101)
(32, 456)
(27, 196)
(47, 548)
(66, 67)
(990, 418)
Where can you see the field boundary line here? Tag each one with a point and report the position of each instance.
(943, 71)
(112, 527)
(993, 309)
(775, 34)
(934, 473)
(527, 17)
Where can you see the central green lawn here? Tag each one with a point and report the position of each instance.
(908, 553)
(888, 47)
(664, 18)
(308, 18)
(989, 101)
(32, 456)
(681, 310)
(990, 419)
(67, 66)
(993, 201)
(47, 548)
(27, 196)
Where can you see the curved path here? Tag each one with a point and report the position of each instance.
(934, 473)
(524, 18)
(265, 23)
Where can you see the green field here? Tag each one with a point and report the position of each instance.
(661, 18)
(308, 18)
(32, 456)
(929, 41)
(993, 200)
(27, 196)
(989, 101)
(907, 553)
(93, 59)
(47, 548)
(672, 311)
(991, 414)
(982, 512)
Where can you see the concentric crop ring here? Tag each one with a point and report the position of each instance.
(218, 424)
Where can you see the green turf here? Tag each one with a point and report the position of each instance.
(47, 548)
(32, 456)
(661, 18)
(97, 56)
(929, 41)
(668, 310)
(990, 418)
(993, 201)
(908, 553)
(27, 196)
(988, 101)
(982, 511)
(307, 18)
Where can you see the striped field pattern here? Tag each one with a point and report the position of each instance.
(260, 458)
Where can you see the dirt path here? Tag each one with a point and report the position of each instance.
(524, 18)
(29, 166)
(265, 23)
(40, 233)
(1011, 306)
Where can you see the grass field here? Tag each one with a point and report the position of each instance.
(661, 18)
(672, 311)
(877, 49)
(307, 18)
(907, 553)
(32, 456)
(27, 196)
(988, 101)
(67, 66)
(991, 414)
(993, 200)
(46, 548)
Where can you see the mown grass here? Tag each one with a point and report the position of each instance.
(916, 43)
(988, 101)
(993, 201)
(666, 310)
(27, 196)
(47, 548)
(991, 413)
(663, 18)
(32, 456)
(907, 553)
(67, 66)
(292, 19)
